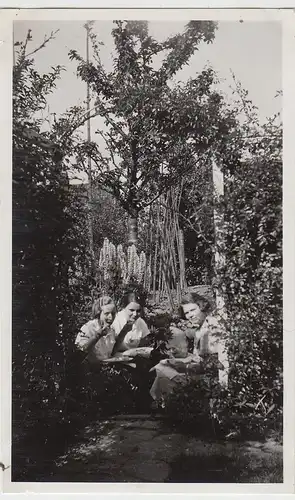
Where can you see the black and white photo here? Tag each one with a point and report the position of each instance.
(147, 249)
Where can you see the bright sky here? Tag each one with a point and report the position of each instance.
(252, 50)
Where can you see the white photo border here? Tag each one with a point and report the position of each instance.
(287, 17)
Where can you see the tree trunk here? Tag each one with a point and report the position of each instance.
(89, 172)
(133, 229)
(132, 196)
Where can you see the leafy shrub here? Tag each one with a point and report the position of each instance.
(252, 283)
(250, 280)
(193, 405)
(51, 266)
(204, 408)
(105, 390)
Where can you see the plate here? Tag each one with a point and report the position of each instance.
(117, 359)
(138, 351)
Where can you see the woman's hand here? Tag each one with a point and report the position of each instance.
(98, 333)
(175, 331)
(103, 331)
(86, 340)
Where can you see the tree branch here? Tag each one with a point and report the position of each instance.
(109, 147)
(150, 202)
(111, 121)
(72, 129)
(114, 188)
(46, 40)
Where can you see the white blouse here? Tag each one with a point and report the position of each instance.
(102, 349)
(207, 337)
(138, 331)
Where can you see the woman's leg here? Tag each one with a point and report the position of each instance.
(163, 385)
(142, 380)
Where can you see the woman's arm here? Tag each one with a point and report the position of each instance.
(145, 339)
(86, 339)
(120, 338)
(84, 342)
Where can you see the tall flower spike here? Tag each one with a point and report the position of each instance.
(142, 267)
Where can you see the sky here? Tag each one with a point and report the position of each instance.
(252, 50)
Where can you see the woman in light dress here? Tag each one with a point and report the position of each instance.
(131, 331)
(108, 334)
(104, 340)
(96, 338)
(206, 334)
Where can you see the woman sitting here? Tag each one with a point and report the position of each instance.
(205, 333)
(107, 386)
(97, 338)
(131, 330)
(131, 333)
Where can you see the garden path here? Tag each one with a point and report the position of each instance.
(145, 448)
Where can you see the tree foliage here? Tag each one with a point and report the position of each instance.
(147, 121)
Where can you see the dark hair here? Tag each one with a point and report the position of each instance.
(99, 303)
(195, 298)
(131, 296)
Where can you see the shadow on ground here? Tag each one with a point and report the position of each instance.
(219, 468)
(145, 449)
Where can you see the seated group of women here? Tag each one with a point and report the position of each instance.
(124, 338)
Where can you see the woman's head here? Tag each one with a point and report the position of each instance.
(132, 303)
(194, 308)
(104, 309)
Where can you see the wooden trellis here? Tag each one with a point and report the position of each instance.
(167, 260)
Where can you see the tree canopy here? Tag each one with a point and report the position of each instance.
(154, 129)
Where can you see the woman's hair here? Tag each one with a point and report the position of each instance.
(98, 305)
(131, 296)
(195, 298)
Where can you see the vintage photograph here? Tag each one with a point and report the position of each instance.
(147, 311)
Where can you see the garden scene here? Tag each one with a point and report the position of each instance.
(147, 337)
